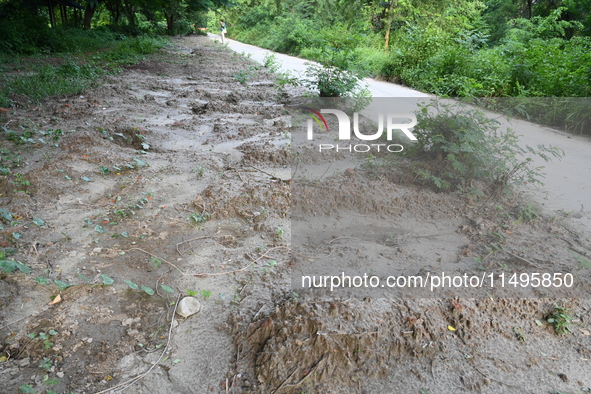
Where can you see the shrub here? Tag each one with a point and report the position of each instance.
(458, 145)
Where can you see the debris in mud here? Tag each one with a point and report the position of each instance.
(188, 306)
(313, 345)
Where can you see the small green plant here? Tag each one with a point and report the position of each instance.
(205, 294)
(198, 218)
(50, 382)
(269, 265)
(134, 286)
(21, 183)
(191, 293)
(519, 334)
(199, 171)
(44, 338)
(242, 77)
(526, 213)
(155, 262)
(46, 363)
(560, 318)
(270, 62)
(279, 232)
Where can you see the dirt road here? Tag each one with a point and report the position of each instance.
(172, 179)
(567, 182)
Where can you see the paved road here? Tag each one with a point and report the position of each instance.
(568, 182)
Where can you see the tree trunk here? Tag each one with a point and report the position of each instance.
(129, 10)
(88, 14)
(529, 9)
(169, 22)
(51, 14)
(64, 14)
(389, 25)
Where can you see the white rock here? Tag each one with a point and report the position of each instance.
(188, 306)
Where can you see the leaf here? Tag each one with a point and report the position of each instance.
(42, 281)
(84, 278)
(22, 267)
(68, 177)
(148, 290)
(11, 265)
(145, 146)
(139, 162)
(539, 323)
(52, 332)
(450, 328)
(131, 284)
(87, 179)
(7, 265)
(166, 288)
(5, 214)
(56, 300)
(26, 388)
(584, 332)
(62, 285)
(99, 229)
(106, 280)
(39, 222)
(178, 360)
(16, 235)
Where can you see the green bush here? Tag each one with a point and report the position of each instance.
(457, 145)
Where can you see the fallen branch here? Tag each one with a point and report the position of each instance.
(522, 259)
(189, 240)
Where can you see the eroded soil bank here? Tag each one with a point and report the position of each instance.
(174, 179)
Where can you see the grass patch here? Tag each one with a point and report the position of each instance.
(40, 76)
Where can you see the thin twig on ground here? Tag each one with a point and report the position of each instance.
(206, 274)
(129, 382)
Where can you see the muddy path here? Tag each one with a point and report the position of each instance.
(567, 185)
(173, 179)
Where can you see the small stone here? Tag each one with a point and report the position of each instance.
(349, 172)
(25, 362)
(60, 375)
(188, 306)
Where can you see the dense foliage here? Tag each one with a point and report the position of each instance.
(451, 48)
(31, 25)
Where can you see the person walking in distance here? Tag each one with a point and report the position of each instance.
(222, 29)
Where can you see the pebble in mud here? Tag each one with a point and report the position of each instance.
(188, 306)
